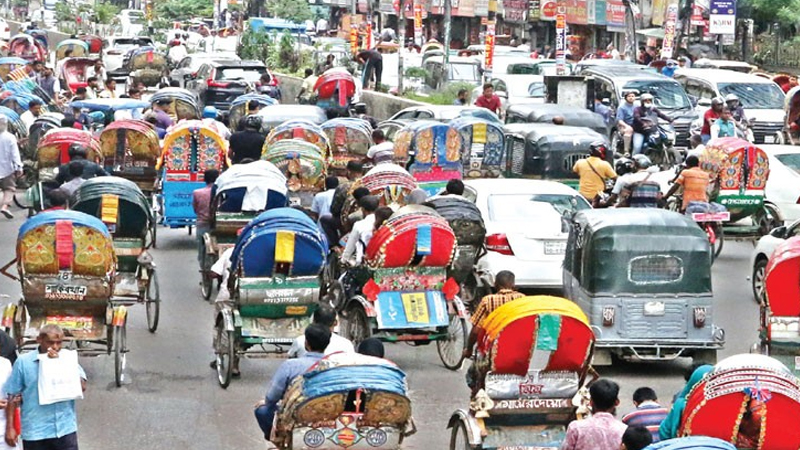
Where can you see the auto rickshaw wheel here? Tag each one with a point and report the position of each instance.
(759, 273)
(358, 328)
(152, 301)
(451, 349)
(225, 354)
(120, 351)
(206, 280)
(767, 218)
(458, 437)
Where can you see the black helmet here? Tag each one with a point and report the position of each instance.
(623, 166)
(360, 108)
(641, 161)
(252, 121)
(76, 150)
(598, 148)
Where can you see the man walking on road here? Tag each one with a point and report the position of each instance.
(373, 63)
(10, 166)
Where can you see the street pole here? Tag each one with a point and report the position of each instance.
(448, 11)
(401, 34)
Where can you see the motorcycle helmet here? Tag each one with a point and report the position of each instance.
(209, 112)
(641, 162)
(645, 98)
(717, 101)
(253, 122)
(731, 98)
(623, 166)
(598, 148)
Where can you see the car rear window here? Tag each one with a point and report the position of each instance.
(655, 269)
(240, 73)
(525, 207)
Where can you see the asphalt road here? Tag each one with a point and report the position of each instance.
(173, 400)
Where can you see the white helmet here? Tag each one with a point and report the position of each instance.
(731, 98)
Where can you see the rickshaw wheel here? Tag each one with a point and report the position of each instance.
(358, 328)
(458, 437)
(225, 352)
(153, 234)
(759, 272)
(206, 281)
(767, 218)
(153, 301)
(451, 349)
(335, 292)
(120, 338)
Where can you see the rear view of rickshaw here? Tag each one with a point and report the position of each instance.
(350, 138)
(76, 47)
(431, 151)
(146, 65)
(532, 358)
(66, 266)
(407, 296)
(278, 256)
(190, 148)
(125, 210)
(242, 103)
(300, 129)
(240, 194)
(334, 92)
(26, 47)
(643, 277)
(94, 42)
(740, 170)
(391, 183)
(483, 151)
(74, 72)
(378, 417)
(749, 400)
(183, 104)
(40, 126)
(303, 160)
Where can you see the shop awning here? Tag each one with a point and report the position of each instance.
(657, 33)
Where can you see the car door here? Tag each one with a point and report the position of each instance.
(198, 84)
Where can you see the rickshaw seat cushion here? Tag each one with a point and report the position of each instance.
(535, 384)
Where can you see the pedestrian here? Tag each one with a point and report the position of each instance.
(50, 427)
(600, 431)
(593, 171)
(326, 316)
(462, 98)
(326, 65)
(111, 89)
(49, 83)
(625, 120)
(77, 152)
(201, 203)
(669, 427)
(98, 71)
(317, 339)
(34, 111)
(612, 50)
(321, 205)
(382, 151)
(10, 167)
(92, 87)
(248, 142)
(307, 88)
(649, 413)
(636, 438)
(373, 66)
(322, 27)
(489, 100)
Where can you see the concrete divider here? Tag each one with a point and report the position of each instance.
(379, 105)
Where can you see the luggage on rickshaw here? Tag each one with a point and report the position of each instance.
(334, 92)
(8, 64)
(146, 65)
(26, 47)
(73, 72)
(361, 401)
(76, 46)
(739, 172)
(240, 194)
(643, 276)
(779, 331)
(277, 257)
(241, 105)
(483, 147)
(533, 355)
(125, 210)
(304, 166)
(183, 103)
(749, 400)
(130, 150)
(94, 42)
(350, 138)
(67, 268)
(190, 148)
(300, 129)
(407, 295)
(431, 151)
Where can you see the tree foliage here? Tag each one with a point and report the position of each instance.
(184, 9)
(105, 13)
(766, 12)
(294, 10)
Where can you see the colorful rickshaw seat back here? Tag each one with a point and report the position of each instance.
(183, 103)
(692, 443)
(349, 138)
(390, 182)
(300, 129)
(751, 400)
(482, 140)
(337, 86)
(782, 279)
(281, 240)
(71, 241)
(190, 148)
(302, 162)
(413, 236)
(740, 165)
(118, 203)
(53, 149)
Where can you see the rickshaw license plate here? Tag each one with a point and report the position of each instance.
(654, 309)
(416, 306)
(555, 247)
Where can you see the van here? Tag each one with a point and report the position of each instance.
(761, 98)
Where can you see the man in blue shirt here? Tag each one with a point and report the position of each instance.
(625, 120)
(317, 339)
(44, 427)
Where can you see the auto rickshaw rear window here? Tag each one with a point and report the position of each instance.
(655, 269)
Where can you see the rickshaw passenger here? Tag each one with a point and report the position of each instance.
(724, 126)
(161, 110)
(76, 178)
(77, 153)
(57, 199)
(201, 203)
(625, 120)
(317, 339)
(326, 316)
(34, 111)
(249, 142)
(695, 183)
(636, 438)
(382, 151)
(211, 117)
(362, 232)
(504, 283)
(371, 347)
(593, 171)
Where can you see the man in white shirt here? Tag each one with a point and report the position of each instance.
(382, 151)
(362, 232)
(10, 166)
(177, 52)
(325, 316)
(34, 111)
(97, 70)
(321, 205)
(322, 27)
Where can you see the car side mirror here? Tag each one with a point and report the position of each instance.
(704, 102)
(779, 232)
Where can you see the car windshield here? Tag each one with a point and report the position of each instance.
(790, 160)
(755, 95)
(526, 207)
(238, 73)
(464, 72)
(668, 94)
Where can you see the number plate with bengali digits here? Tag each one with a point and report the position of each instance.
(769, 139)
(416, 306)
(555, 247)
(654, 309)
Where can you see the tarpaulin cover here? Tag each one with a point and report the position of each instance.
(463, 216)
(574, 116)
(276, 234)
(255, 186)
(397, 242)
(692, 443)
(135, 216)
(782, 280)
(347, 378)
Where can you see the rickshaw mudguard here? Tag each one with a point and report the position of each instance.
(369, 308)
(229, 318)
(471, 424)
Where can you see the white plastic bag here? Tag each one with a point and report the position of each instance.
(59, 378)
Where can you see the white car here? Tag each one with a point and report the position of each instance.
(783, 186)
(510, 208)
(763, 251)
(116, 47)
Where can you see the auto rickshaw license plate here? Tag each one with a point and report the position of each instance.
(654, 309)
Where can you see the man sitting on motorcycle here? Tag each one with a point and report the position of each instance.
(635, 189)
(710, 116)
(645, 121)
(724, 126)
(694, 181)
(737, 110)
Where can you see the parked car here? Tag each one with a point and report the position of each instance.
(187, 68)
(218, 83)
(783, 185)
(763, 251)
(115, 48)
(508, 207)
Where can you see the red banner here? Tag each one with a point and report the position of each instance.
(353, 40)
(576, 12)
(489, 50)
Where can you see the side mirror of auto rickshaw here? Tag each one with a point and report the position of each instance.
(779, 232)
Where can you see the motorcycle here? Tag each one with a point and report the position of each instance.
(659, 146)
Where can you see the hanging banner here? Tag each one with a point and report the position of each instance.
(697, 16)
(561, 44)
(418, 24)
(549, 10)
(659, 7)
(368, 37)
(488, 51)
(669, 31)
(576, 12)
(353, 40)
(722, 17)
(599, 12)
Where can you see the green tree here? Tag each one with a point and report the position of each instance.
(766, 12)
(294, 10)
(184, 9)
(105, 13)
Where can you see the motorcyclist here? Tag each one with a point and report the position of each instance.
(636, 189)
(737, 110)
(717, 103)
(645, 121)
(211, 118)
(594, 171)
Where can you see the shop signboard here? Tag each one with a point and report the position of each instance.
(658, 12)
(722, 17)
(514, 10)
(697, 17)
(561, 44)
(466, 8)
(615, 14)
(576, 12)
(549, 9)
(534, 10)
(481, 8)
(600, 12)
(669, 31)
